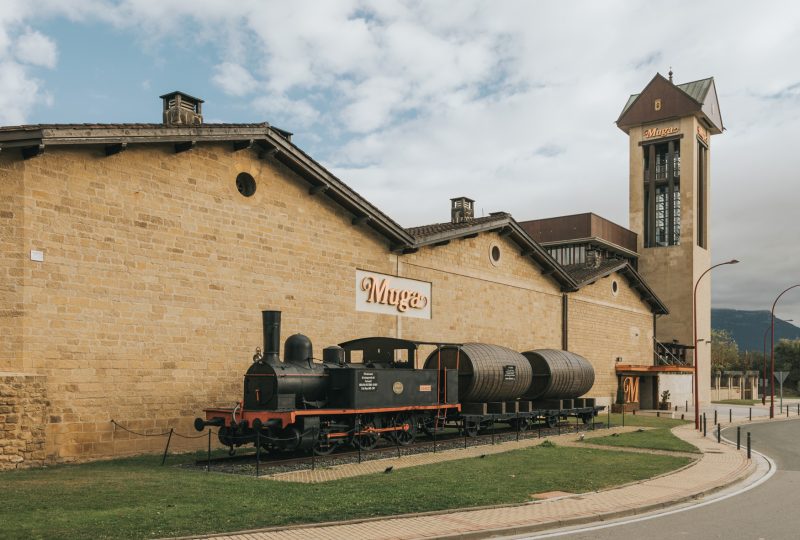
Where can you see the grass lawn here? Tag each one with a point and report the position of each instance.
(655, 439)
(737, 402)
(643, 421)
(136, 498)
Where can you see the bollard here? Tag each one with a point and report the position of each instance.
(576, 424)
(436, 425)
(592, 420)
(687, 406)
(658, 414)
(676, 408)
(715, 416)
(730, 416)
(719, 433)
(751, 414)
(705, 432)
(609, 418)
(682, 417)
(787, 411)
(623, 415)
(748, 445)
(738, 437)
(798, 409)
(558, 422)
(464, 424)
(164, 459)
(633, 412)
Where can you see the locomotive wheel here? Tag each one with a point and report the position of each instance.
(324, 447)
(366, 441)
(406, 436)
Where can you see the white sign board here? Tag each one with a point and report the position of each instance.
(391, 295)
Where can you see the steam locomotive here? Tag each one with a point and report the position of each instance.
(369, 388)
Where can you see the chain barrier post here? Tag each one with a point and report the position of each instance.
(738, 437)
(358, 442)
(435, 425)
(492, 431)
(166, 448)
(518, 426)
(464, 427)
(208, 461)
(258, 453)
(576, 424)
(623, 415)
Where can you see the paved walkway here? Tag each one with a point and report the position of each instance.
(719, 466)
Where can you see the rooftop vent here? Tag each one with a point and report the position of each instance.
(182, 109)
(462, 209)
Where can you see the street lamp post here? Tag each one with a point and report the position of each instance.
(772, 353)
(694, 342)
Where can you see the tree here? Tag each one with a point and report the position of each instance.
(787, 358)
(724, 352)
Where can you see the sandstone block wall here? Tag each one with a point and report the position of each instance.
(23, 411)
(604, 326)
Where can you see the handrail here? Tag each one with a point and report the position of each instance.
(675, 360)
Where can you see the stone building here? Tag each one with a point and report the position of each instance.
(137, 258)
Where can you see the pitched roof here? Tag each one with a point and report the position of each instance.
(700, 99)
(697, 90)
(438, 228)
(584, 274)
(263, 138)
(502, 222)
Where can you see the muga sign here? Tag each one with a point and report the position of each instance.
(391, 295)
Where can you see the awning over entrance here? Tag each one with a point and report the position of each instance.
(634, 370)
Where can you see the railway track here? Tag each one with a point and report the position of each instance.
(443, 441)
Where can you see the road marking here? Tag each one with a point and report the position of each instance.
(683, 508)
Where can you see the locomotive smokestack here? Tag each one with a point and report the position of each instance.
(271, 321)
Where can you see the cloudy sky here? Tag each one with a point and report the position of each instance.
(411, 103)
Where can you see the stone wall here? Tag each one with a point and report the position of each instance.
(604, 326)
(23, 415)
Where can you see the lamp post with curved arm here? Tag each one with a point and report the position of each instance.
(694, 342)
(772, 353)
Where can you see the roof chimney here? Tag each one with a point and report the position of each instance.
(461, 209)
(182, 109)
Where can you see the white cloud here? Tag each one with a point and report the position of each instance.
(18, 93)
(234, 80)
(37, 49)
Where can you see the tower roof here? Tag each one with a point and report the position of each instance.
(698, 98)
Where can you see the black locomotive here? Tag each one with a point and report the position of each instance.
(369, 388)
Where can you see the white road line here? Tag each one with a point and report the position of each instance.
(684, 508)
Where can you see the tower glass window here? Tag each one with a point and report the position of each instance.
(662, 194)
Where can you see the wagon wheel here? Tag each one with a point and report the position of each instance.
(366, 441)
(471, 428)
(551, 421)
(405, 436)
(587, 417)
(520, 424)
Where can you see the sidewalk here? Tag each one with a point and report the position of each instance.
(719, 466)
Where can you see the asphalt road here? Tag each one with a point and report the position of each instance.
(770, 511)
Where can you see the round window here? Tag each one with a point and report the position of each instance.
(246, 184)
(494, 255)
(614, 287)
